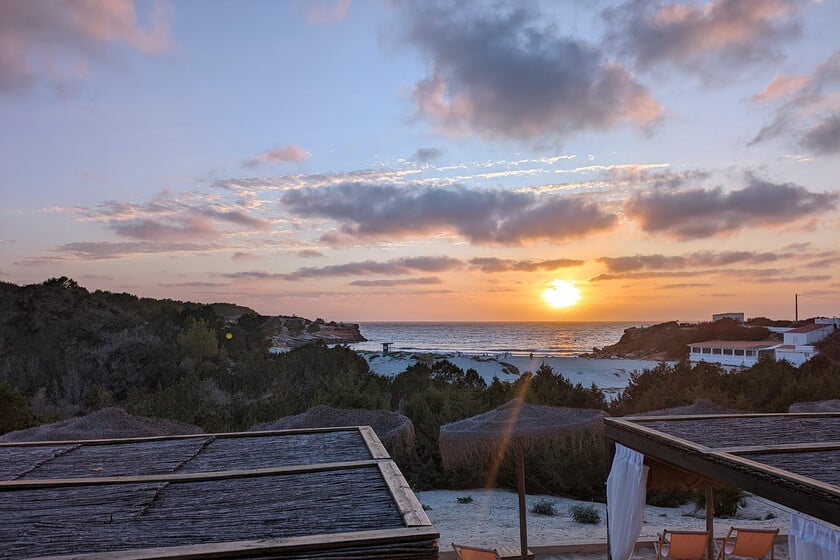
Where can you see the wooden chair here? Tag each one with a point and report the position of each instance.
(475, 553)
(682, 545)
(748, 543)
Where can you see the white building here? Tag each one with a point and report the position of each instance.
(796, 348)
(799, 343)
(739, 317)
(732, 353)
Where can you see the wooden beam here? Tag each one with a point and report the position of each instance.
(374, 445)
(33, 484)
(239, 549)
(410, 507)
(117, 441)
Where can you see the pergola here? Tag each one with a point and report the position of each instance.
(791, 459)
(291, 494)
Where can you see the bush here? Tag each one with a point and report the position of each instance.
(585, 514)
(726, 501)
(544, 507)
(668, 498)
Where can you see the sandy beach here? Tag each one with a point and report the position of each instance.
(611, 375)
(492, 520)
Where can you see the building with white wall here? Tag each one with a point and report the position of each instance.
(796, 347)
(732, 353)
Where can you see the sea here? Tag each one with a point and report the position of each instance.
(552, 339)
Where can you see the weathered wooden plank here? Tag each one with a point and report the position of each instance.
(416, 542)
(409, 506)
(28, 484)
(374, 445)
(117, 441)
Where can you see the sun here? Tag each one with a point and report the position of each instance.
(561, 294)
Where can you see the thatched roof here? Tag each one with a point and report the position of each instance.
(513, 423)
(331, 493)
(107, 423)
(788, 458)
(393, 429)
(699, 406)
(817, 406)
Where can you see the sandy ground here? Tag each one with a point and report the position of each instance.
(610, 375)
(492, 520)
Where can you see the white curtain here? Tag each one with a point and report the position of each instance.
(625, 501)
(810, 540)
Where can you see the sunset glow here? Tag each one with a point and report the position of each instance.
(383, 161)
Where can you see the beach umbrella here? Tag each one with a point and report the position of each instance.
(515, 427)
(395, 431)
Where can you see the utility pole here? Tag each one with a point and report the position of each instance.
(797, 306)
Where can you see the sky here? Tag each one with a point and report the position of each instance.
(427, 161)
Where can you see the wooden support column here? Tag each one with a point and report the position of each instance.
(520, 476)
(710, 521)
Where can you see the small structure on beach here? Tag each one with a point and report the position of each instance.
(511, 429)
(787, 458)
(293, 494)
(386, 347)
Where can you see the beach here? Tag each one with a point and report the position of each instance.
(491, 520)
(610, 375)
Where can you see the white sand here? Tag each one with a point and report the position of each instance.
(492, 519)
(609, 375)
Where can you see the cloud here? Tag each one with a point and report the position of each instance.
(401, 266)
(484, 216)
(426, 155)
(106, 250)
(170, 219)
(59, 40)
(321, 12)
(243, 256)
(492, 264)
(310, 253)
(194, 285)
(808, 110)
(426, 281)
(709, 38)
(690, 260)
(824, 137)
(700, 213)
(286, 153)
(503, 73)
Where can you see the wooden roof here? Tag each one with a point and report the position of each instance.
(316, 493)
(788, 458)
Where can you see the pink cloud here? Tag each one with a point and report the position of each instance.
(59, 40)
(328, 12)
(286, 153)
(781, 86)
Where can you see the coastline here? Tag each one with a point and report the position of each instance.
(611, 375)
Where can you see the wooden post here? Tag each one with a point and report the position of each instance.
(710, 521)
(520, 475)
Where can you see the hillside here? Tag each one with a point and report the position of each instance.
(669, 341)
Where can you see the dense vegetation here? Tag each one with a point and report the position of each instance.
(65, 351)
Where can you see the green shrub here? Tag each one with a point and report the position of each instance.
(585, 514)
(544, 507)
(726, 501)
(464, 500)
(668, 498)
